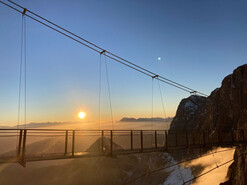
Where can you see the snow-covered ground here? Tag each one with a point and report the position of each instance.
(199, 166)
(177, 177)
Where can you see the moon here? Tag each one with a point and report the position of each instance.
(81, 115)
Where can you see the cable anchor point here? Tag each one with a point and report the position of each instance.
(102, 52)
(155, 76)
(24, 11)
(193, 92)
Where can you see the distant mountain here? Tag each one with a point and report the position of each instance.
(5, 127)
(34, 125)
(186, 113)
(157, 119)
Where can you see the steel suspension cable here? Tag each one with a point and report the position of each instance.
(215, 160)
(100, 47)
(57, 26)
(97, 48)
(162, 100)
(152, 112)
(218, 166)
(152, 105)
(20, 80)
(180, 173)
(109, 92)
(99, 90)
(154, 74)
(175, 164)
(51, 27)
(25, 74)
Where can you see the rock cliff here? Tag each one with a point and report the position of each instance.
(237, 172)
(225, 109)
(186, 113)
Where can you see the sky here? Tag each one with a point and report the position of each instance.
(199, 43)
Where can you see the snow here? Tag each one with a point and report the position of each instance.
(190, 105)
(174, 177)
(207, 162)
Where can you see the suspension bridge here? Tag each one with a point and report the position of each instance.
(27, 145)
(51, 144)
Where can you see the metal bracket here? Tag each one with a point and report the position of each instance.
(193, 92)
(24, 11)
(156, 76)
(22, 148)
(102, 52)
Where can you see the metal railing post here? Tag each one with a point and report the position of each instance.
(111, 142)
(102, 140)
(131, 139)
(66, 142)
(73, 143)
(155, 135)
(19, 145)
(141, 141)
(23, 155)
(166, 141)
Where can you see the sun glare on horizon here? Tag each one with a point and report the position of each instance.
(81, 115)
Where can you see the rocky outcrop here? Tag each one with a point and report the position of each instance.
(185, 116)
(237, 172)
(225, 108)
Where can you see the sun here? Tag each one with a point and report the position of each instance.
(81, 115)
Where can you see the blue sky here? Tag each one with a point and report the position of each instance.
(199, 42)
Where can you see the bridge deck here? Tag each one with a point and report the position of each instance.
(26, 145)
